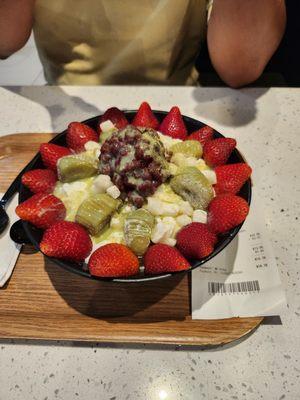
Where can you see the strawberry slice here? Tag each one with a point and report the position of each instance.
(203, 135)
(41, 210)
(113, 260)
(39, 180)
(162, 258)
(66, 240)
(51, 153)
(78, 135)
(116, 116)
(173, 125)
(217, 151)
(226, 211)
(231, 177)
(145, 117)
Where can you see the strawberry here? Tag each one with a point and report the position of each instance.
(145, 117)
(195, 240)
(78, 134)
(51, 153)
(113, 260)
(161, 258)
(39, 180)
(66, 240)
(217, 151)
(41, 210)
(231, 177)
(116, 116)
(226, 211)
(173, 125)
(203, 135)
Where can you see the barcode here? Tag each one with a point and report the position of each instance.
(233, 287)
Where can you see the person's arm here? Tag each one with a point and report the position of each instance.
(242, 36)
(16, 19)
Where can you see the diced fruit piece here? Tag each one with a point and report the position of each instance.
(107, 126)
(196, 241)
(231, 177)
(193, 187)
(161, 258)
(203, 135)
(226, 211)
(200, 216)
(66, 240)
(173, 124)
(51, 153)
(78, 135)
(76, 167)
(95, 212)
(217, 151)
(145, 117)
(116, 116)
(41, 210)
(112, 261)
(106, 135)
(188, 147)
(40, 180)
(137, 230)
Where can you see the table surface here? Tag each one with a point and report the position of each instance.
(267, 364)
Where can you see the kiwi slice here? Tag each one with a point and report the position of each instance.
(79, 166)
(191, 148)
(137, 230)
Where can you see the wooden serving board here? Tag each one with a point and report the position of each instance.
(43, 301)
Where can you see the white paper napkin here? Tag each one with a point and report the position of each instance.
(9, 250)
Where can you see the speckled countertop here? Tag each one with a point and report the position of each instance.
(264, 366)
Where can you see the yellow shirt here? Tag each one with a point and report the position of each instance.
(93, 42)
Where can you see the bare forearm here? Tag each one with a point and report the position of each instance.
(243, 35)
(16, 19)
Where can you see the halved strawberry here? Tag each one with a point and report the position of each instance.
(231, 177)
(78, 135)
(66, 240)
(173, 125)
(42, 210)
(145, 117)
(203, 135)
(116, 116)
(51, 153)
(217, 151)
(40, 180)
(161, 258)
(226, 211)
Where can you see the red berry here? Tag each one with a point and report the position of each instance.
(116, 116)
(51, 153)
(113, 260)
(196, 241)
(39, 180)
(78, 135)
(225, 212)
(145, 117)
(173, 125)
(66, 240)
(203, 135)
(161, 258)
(217, 151)
(42, 210)
(231, 177)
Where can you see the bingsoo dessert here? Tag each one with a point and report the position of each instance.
(135, 194)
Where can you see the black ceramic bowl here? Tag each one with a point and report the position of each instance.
(35, 235)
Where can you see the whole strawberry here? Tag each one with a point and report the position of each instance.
(42, 210)
(196, 241)
(78, 135)
(173, 125)
(66, 240)
(225, 212)
(39, 180)
(145, 117)
(203, 135)
(116, 116)
(217, 151)
(113, 260)
(161, 258)
(231, 177)
(51, 153)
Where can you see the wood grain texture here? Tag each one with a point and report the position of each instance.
(43, 301)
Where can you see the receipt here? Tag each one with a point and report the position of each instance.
(243, 280)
